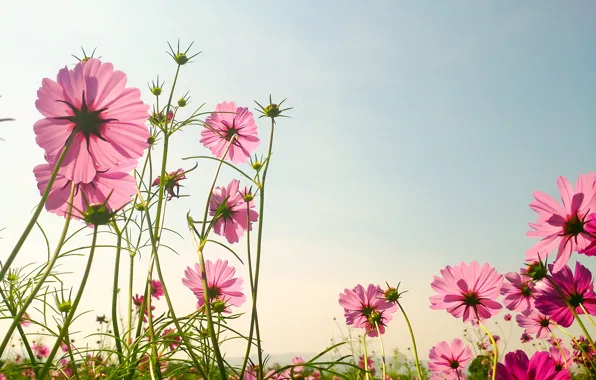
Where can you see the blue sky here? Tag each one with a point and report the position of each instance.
(420, 131)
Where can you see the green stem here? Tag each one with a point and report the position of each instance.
(155, 259)
(558, 346)
(45, 275)
(208, 314)
(252, 288)
(417, 361)
(365, 357)
(37, 211)
(494, 343)
(130, 287)
(587, 315)
(383, 364)
(71, 313)
(115, 291)
(254, 316)
(71, 356)
(583, 327)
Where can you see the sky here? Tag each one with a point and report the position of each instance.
(419, 132)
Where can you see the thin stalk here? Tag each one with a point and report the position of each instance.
(417, 361)
(45, 275)
(208, 312)
(583, 327)
(587, 314)
(71, 314)
(155, 259)
(37, 211)
(496, 348)
(150, 327)
(130, 286)
(252, 288)
(115, 291)
(254, 317)
(365, 357)
(559, 346)
(71, 356)
(383, 364)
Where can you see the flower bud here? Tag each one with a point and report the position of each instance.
(97, 214)
(65, 306)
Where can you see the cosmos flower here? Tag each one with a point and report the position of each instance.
(367, 308)
(449, 359)
(228, 121)
(518, 291)
(468, 291)
(540, 367)
(227, 204)
(535, 322)
(574, 289)
(118, 186)
(156, 289)
(561, 227)
(40, 350)
(223, 289)
(171, 339)
(107, 120)
(171, 182)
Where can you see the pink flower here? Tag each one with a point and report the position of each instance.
(468, 290)
(229, 121)
(583, 353)
(449, 359)
(367, 308)
(518, 291)
(119, 186)
(297, 368)
(227, 204)
(171, 339)
(576, 290)
(525, 337)
(553, 343)
(64, 347)
(540, 367)
(535, 322)
(370, 364)
(222, 286)
(107, 119)
(156, 289)
(138, 300)
(25, 320)
(562, 227)
(40, 350)
(562, 357)
(171, 182)
(507, 317)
